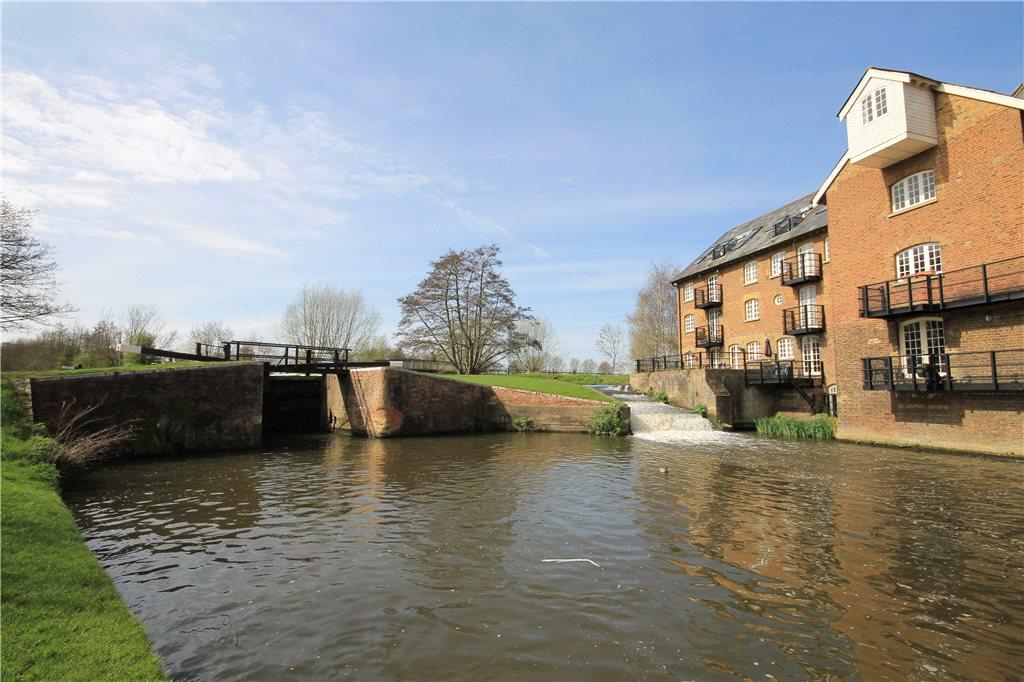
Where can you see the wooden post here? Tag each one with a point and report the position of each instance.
(199, 348)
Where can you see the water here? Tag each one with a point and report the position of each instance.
(423, 558)
(652, 420)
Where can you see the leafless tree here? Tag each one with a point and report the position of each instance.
(654, 323)
(574, 365)
(210, 333)
(611, 343)
(606, 368)
(378, 348)
(141, 325)
(99, 344)
(323, 315)
(464, 311)
(588, 366)
(29, 292)
(539, 353)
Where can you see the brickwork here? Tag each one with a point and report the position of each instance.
(977, 217)
(393, 402)
(202, 408)
(735, 293)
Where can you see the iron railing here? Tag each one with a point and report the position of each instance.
(991, 370)
(692, 360)
(283, 354)
(785, 225)
(782, 372)
(708, 297)
(804, 319)
(1001, 280)
(707, 337)
(805, 267)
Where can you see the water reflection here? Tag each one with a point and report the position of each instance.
(421, 558)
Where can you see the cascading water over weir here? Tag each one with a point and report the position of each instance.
(657, 421)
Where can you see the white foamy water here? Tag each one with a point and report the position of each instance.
(655, 421)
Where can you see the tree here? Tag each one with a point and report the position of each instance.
(588, 366)
(611, 342)
(141, 325)
(378, 348)
(574, 365)
(539, 353)
(654, 324)
(99, 345)
(326, 316)
(30, 287)
(464, 311)
(606, 368)
(210, 333)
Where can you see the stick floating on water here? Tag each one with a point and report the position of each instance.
(565, 561)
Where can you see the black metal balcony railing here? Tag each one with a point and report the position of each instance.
(993, 370)
(708, 337)
(708, 297)
(782, 372)
(691, 360)
(785, 225)
(804, 319)
(805, 267)
(977, 285)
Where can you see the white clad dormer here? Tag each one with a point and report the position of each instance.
(890, 116)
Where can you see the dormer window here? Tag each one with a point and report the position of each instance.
(873, 105)
(912, 190)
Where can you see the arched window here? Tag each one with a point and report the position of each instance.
(688, 324)
(753, 351)
(810, 348)
(919, 260)
(913, 190)
(777, 263)
(784, 348)
(688, 291)
(712, 281)
(750, 272)
(752, 308)
(736, 356)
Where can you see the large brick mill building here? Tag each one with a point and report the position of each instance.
(894, 295)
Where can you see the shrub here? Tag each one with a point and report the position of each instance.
(661, 397)
(606, 420)
(521, 424)
(702, 410)
(821, 427)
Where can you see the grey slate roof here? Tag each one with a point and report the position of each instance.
(757, 235)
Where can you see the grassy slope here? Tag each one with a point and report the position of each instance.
(100, 370)
(532, 383)
(603, 379)
(62, 617)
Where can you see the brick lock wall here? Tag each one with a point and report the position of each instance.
(735, 294)
(202, 408)
(977, 217)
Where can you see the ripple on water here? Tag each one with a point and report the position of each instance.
(422, 558)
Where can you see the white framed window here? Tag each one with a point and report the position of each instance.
(919, 260)
(752, 308)
(688, 324)
(828, 253)
(810, 348)
(712, 281)
(753, 350)
(750, 272)
(736, 356)
(690, 360)
(873, 105)
(912, 190)
(923, 337)
(688, 291)
(784, 348)
(777, 263)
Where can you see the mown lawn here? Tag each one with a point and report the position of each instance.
(62, 617)
(527, 382)
(592, 379)
(99, 370)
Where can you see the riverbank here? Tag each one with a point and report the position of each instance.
(63, 619)
(537, 384)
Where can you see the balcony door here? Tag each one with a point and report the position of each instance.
(808, 306)
(810, 348)
(714, 322)
(805, 260)
(922, 343)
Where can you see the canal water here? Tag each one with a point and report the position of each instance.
(331, 556)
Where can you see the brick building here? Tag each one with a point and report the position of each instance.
(896, 290)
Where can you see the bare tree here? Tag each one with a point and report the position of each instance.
(323, 315)
(464, 311)
(142, 325)
(611, 342)
(30, 287)
(539, 353)
(210, 333)
(574, 365)
(588, 366)
(99, 345)
(654, 324)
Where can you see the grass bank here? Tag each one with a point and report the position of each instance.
(528, 382)
(601, 379)
(103, 370)
(62, 617)
(821, 427)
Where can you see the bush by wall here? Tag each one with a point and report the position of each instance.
(607, 421)
(820, 427)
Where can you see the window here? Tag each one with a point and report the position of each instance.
(715, 322)
(712, 281)
(736, 357)
(922, 338)
(688, 291)
(688, 323)
(690, 360)
(873, 105)
(752, 308)
(828, 254)
(917, 260)
(753, 350)
(777, 263)
(810, 348)
(912, 190)
(750, 272)
(784, 349)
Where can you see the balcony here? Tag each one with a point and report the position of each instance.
(806, 267)
(804, 319)
(785, 225)
(993, 370)
(709, 337)
(782, 372)
(708, 297)
(691, 360)
(977, 285)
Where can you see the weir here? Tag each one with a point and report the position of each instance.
(650, 418)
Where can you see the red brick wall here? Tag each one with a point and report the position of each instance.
(202, 408)
(977, 217)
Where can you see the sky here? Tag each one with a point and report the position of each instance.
(209, 159)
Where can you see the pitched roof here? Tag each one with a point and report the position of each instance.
(760, 234)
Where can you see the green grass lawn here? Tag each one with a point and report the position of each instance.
(602, 379)
(62, 617)
(99, 370)
(527, 382)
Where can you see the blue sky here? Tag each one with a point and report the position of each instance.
(208, 159)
